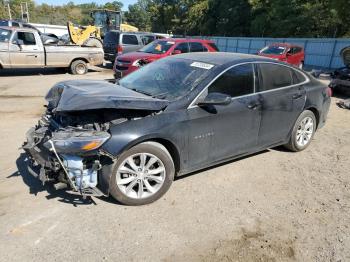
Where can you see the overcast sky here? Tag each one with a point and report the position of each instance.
(61, 2)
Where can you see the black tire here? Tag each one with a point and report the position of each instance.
(161, 153)
(78, 67)
(292, 144)
(93, 42)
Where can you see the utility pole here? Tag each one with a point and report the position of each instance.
(25, 12)
(7, 3)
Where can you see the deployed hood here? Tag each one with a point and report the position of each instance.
(345, 55)
(78, 95)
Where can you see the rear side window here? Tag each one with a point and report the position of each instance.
(15, 24)
(111, 37)
(274, 76)
(237, 81)
(26, 37)
(130, 40)
(212, 45)
(197, 47)
(183, 47)
(298, 77)
(146, 39)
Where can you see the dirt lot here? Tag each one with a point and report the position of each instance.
(273, 206)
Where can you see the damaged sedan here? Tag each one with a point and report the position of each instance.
(172, 117)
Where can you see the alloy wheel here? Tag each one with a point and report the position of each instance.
(305, 131)
(140, 175)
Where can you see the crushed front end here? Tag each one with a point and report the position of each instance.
(66, 146)
(67, 155)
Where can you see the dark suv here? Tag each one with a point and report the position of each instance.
(116, 43)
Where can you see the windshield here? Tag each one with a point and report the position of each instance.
(157, 47)
(169, 78)
(273, 50)
(5, 35)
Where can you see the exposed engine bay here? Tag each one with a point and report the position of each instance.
(64, 147)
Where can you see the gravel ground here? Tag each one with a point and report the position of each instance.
(272, 206)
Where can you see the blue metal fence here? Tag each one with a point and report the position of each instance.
(319, 52)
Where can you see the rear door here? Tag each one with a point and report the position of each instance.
(222, 131)
(130, 43)
(30, 53)
(283, 98)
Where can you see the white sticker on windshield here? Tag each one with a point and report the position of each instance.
(202, 65)
(170, 43)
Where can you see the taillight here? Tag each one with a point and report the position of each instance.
(329, 92)
(119, 49)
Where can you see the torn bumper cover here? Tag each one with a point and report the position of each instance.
(60, 159)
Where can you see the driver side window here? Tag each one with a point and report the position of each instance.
(26, 37)
(237, 81)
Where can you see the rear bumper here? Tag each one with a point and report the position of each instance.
(324, 113)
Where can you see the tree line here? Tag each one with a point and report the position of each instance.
(256, 18)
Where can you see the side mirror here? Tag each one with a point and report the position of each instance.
(215, 99)
(18, 42)
(176, 52)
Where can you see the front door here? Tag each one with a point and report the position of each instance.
(283, 98)
(221, 131)
(25, 50)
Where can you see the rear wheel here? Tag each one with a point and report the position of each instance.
(78, 67)
(303, 131)
(142, 174)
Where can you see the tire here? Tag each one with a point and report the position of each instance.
(78, 67)
(302, 132)
(93, 42)
(125, 186)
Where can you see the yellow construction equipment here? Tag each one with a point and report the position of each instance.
(88, 35)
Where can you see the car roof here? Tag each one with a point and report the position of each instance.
(19, 28)
(285, 45)
(180, 40)
(223, 58)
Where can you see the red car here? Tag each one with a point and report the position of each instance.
(129, 62)
(289, 53)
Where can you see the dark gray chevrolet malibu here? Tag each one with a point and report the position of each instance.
(172, 117)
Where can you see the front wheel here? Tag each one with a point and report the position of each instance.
(303, 131)
(142, 174)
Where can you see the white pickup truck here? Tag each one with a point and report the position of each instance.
(23, 48)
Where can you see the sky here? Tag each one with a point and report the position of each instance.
(61, 2)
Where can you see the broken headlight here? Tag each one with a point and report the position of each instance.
(78, 142)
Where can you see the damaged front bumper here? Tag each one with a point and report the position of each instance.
(74, 172)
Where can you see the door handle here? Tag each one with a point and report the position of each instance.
(33, 55)
(253, 105)
(297, 96)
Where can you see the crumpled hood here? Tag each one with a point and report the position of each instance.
(345, 55)
(78, 95)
